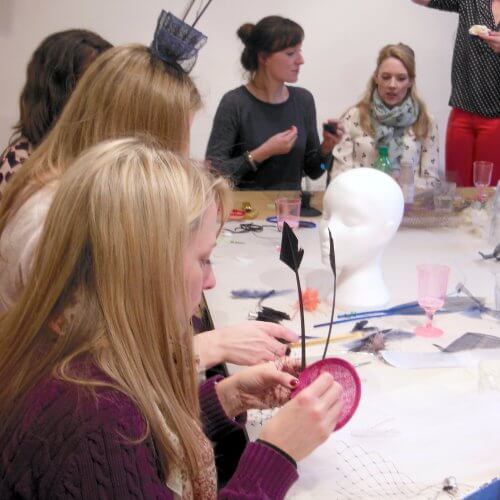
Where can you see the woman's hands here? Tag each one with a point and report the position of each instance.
(259, 387)
(278, 144)
(246, 343)
(307, 420)
(303, 423)
(282, 143)
(493, 40)
(331, 140)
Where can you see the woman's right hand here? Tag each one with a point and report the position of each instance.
(307, 420)
(278, 144)
(246, 343)
(252, 342)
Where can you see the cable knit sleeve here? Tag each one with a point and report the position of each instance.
(262, 473)
(71, 445)
(106, 466)
(99, 451)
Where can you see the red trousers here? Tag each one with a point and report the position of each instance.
(469, 138)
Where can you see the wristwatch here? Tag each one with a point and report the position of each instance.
(249, 159)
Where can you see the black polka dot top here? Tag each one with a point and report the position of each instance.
(475, 76)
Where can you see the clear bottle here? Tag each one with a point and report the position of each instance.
(494, 233)
(383, 163)
(407, 183)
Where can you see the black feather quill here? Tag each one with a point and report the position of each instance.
(291, 255)
(334, 270)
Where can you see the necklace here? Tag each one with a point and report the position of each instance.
(261, 93)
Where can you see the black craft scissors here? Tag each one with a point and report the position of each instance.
(247, 227)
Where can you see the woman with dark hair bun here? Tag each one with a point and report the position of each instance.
(264, 133)
(52, 74)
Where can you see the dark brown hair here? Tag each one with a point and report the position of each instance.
(270, 34)
(52, 73)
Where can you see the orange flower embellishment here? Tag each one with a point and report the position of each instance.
(310, 298)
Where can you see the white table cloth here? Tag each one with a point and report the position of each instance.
(414, 427)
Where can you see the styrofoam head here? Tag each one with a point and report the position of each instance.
(363, 209)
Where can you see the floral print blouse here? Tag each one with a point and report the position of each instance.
(357, 149)
(13, 156)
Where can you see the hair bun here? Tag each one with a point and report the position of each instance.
(245, 31)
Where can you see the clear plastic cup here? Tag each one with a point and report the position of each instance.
(497, 291)
(489, 375)
(444, 196)
(494, 236)
(481, 172)
(287, 210)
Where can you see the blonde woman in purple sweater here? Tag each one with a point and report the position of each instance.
(99, 394)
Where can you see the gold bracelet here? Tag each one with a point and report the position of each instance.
(249, 159)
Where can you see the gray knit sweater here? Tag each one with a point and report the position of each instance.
(243, 122)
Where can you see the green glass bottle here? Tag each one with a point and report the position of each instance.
(383, 163)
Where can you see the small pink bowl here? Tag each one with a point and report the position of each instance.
(344, 374)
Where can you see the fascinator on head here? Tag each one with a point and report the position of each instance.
(176, 42)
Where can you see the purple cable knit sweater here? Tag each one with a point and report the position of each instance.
(67, 446)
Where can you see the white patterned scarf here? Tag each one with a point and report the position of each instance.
(390, 125)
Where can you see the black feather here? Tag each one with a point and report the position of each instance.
(291, 255)
(332, 254)
(334, 270)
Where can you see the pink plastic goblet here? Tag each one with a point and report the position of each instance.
(287, 210)
(482, 171)
(432, 285)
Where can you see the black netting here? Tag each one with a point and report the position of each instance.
(176, 42)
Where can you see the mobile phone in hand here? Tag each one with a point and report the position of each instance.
(330, 128)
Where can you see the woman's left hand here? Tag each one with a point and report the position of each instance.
(493, 40)
(331, 140)
(259, 387)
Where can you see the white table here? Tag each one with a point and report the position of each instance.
(413, 428)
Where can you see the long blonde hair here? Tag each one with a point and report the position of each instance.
(124, 92)
(405, 54)
(114, 238)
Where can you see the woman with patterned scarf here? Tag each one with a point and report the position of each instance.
(390, 114)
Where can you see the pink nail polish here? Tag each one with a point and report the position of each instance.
(294, 382)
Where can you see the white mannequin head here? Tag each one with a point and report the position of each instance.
(363, 209)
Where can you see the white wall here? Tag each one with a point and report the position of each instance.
(342, 41)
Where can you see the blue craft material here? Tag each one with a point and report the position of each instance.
(452, 304)
(302, 223)
(257, 294)
(489, 492)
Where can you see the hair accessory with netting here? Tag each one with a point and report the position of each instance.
(176, 42)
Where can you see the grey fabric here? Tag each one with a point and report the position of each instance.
(243, 122)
